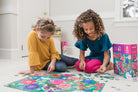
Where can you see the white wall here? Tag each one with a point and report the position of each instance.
(16, 19)
(125, 32)
(65, 12)
(8, 29)
(73, 7)
(8, 6)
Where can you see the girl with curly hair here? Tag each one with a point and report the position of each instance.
(89, 30)
(42, 52)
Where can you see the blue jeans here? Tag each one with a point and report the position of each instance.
(61, 65)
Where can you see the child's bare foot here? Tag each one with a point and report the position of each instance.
(110, 66)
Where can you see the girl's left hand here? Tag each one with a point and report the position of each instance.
(51, 67)
(102, 69)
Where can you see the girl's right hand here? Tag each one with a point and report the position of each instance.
(26, 72)
(51, 67)
(82, 65)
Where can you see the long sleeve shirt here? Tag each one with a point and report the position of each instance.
(40, 53)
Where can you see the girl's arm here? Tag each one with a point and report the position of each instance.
(82, 57)
(53, 60)
(51, 66)
(32, 69)
(106, 58)
(103, 68)
(82, 60)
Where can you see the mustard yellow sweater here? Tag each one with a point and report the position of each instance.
(40, 53)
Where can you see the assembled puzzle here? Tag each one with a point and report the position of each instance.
(57, 82)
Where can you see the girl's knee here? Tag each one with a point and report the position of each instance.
(92, 66)
(96, 62)
(70, 61)
(91, 69)
(60, 67)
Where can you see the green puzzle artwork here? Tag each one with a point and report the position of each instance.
(56, 82)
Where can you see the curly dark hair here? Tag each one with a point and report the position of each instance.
(88, 16)
(44, 24)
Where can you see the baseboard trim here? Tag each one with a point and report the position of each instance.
(9, 54)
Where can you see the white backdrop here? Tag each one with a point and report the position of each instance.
(64, 13)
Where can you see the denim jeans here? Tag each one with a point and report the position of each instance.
(61, 65)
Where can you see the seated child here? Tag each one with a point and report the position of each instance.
(42, 52)
(89, 31)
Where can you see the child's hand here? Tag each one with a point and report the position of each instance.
(26, 72)
(51, 67)
(102, 69)
(82, 65)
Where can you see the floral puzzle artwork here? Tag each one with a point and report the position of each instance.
(57, 82)
(124, 56)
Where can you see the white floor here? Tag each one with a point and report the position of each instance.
(10, 68)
